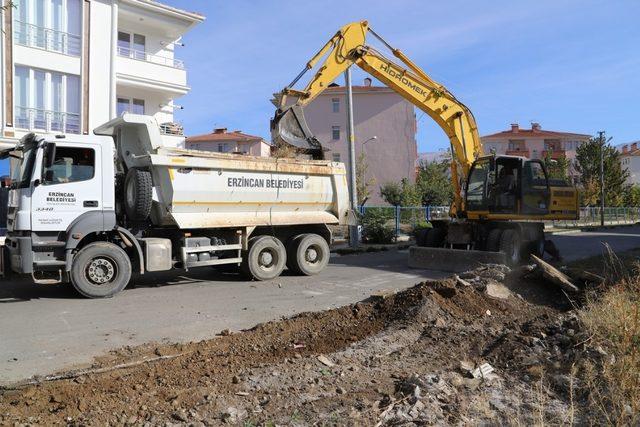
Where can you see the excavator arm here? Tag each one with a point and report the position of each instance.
(348, 47)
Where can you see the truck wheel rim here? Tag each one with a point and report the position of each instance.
(101, 270)
(267, 259)
(312, 255)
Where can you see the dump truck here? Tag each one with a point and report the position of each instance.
(93, 209)
(499, 201)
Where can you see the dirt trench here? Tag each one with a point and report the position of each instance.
(391, 359)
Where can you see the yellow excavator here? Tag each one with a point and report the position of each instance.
(499, 201)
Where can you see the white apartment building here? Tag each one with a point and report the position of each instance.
(71, 65)
(630, 160)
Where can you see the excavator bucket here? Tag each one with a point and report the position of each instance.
(289, 127)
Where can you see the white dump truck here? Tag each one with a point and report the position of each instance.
(92, 209)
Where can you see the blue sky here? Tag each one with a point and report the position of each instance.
(570, 65)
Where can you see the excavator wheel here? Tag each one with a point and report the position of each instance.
(511, 245)
(493, 240)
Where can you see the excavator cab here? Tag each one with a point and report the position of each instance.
(507, 185)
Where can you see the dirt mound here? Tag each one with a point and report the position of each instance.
(390, 359)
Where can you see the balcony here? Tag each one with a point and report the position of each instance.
(143, 70)
(144, 56)
(47, 121)
(30, 35)
(554, 154)
(519, 152)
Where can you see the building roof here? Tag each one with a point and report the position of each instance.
(336, 88)
(152, 4)
(535, 132)
(629, 149)
(221, 135)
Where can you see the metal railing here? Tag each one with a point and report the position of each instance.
(405, 218)
(148, 57)
(47, 120)
(46, 38)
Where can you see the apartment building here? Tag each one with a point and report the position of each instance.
(385, 131)
(534, 143)
(71, 65)
(630, 160)
(222, 141)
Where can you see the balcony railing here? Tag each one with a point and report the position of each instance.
(554, 154)
(47, 120)
(147, 57)
(45, 38)
(171, 129)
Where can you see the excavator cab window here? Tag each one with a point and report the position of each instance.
(477, 185)
(535, 188)
(506, 189)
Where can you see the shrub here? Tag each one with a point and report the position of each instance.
(375, 228)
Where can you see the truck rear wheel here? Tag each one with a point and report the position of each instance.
(308, 254)
(138, 194)
(511, 245)
(100, 270)
(265, 258)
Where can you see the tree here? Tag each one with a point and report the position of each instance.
(410, 195)
(391, 192)
(434, 183)
(558, 168)
(363, 183)
(632, 196)
(588, 166)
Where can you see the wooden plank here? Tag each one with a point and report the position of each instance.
(554, 275)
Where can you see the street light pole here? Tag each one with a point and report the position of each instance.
(601, 138)
(354, 238)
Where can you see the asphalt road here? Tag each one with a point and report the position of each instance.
(44, 329)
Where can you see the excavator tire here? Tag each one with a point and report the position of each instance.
(493, 240)
(511, 246)
(434, 238)
(138, 193)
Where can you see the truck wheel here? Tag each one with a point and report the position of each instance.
(510, 244)
(434, 238)
(265, 258)
(100, 270)
(308, 254)
(138, 193)
(493, 240)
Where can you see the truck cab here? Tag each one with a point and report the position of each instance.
(58, 190)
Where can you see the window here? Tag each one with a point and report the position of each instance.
(335, 133)
(336, 157)
(476, 185)
(46, 100)
(131, 45)
(335, 105)
(70, 165)
(224, 147)
(53, 25)
(128, 105)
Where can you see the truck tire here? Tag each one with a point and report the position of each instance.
(100, 270)
(138, 193)
(308, 254)
(511, 246)
(434, 238)
(265, 258)
(493, 240)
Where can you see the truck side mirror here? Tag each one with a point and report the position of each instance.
(49, 154)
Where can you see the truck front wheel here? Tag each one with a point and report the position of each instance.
(100, 270)
(265, 258)
(308, 254)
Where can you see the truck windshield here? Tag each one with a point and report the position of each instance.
(21, 176)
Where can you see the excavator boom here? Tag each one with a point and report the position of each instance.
(348, 47)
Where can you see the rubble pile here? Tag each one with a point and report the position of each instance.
(464, 350)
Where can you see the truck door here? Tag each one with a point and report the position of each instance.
(71, 186)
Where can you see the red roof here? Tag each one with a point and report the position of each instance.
(222, 135)
(516, 132)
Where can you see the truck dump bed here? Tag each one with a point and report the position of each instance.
(201, 189)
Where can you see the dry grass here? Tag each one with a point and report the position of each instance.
(612, 317)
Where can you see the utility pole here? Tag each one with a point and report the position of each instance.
(354, 238)
(601, 139)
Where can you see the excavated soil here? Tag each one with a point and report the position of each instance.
(391, 359)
